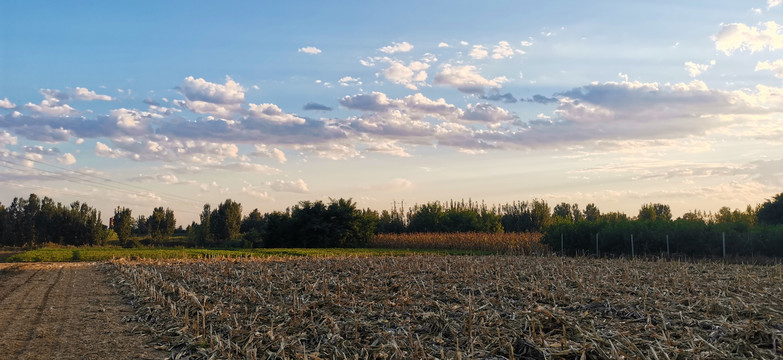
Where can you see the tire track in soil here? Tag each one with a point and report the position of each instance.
(39, 314)
(20, 311)
(17, 286)
(67, 311)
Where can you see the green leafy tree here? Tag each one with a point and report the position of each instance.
(160, 225)
(252, 227)
(563, 212)
(592, 213)
(655, 212)
(771, 211)
(123, 225)
(225, 221)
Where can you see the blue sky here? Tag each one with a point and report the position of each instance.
(185, 103)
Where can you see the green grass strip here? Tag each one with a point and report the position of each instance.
(101, 254)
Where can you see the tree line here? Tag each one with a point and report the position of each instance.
(34, 221)
(340, 223)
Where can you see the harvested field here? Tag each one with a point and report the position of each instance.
(65, 311)
(489, 307)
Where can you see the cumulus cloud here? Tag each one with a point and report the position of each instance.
(396, 47)
(6, 139)
(443, 45)
(502, 50)
(204, 97)
(67, 159)
(272, 113)
(331, 151)
(312, 50)
(201, 90)
(53, 104)
(411, 76)
(635, 110)
(487, 114)
(253, 191)
(272, 153)
(478, 52)
(466, 79)
(388, 148)
(773, 3)
(295, 186)
(416, 105)
(80, 93)
(775, 66)
(316, 107)
(695, 69)
(737, 36)
(104, 150)
(349, 81)
(6, 104)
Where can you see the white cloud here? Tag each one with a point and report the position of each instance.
(443, 45)
(131, 121)
(6, 139)
(388, 148)
(736, 36)
(53, 104)
(67, 159)
(525, 43)
(6, 104)
(397, 47)
(104, 150)
(411, 76)
(502, 50)
(695, 69)
(295, 186)
(201, 90)
(349, 81)
(204, 97)
(463, 43)
(273, 153)
(331, 151)
(416, 105)
(776, 67)
(81, 93)
(253, 191)
(773, 3)
(272, 113)
(478, 52)
(487, 114)
(312, 50)
(465, 79)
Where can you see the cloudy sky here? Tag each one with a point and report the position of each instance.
(178, 104)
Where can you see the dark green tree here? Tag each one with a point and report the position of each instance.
(591, 212)
(655, 212)
(123, 225)
(771, 211)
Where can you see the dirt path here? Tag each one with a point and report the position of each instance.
(65, 311)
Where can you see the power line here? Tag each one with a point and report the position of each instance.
(173, 196)
(82, 181)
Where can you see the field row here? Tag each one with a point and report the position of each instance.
(464, 307)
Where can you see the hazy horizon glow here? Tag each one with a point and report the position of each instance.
(178, 104)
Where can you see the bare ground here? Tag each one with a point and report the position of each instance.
(66, 311)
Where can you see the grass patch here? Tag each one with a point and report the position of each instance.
(101, 254)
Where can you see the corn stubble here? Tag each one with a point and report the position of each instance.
(460, 307)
